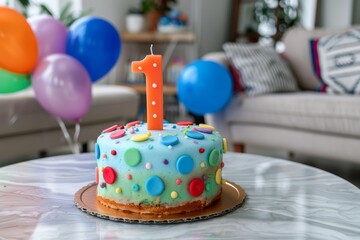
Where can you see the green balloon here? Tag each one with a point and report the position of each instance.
(13, 82)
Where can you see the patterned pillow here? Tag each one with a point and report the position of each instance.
(261, 69)
(336, 61)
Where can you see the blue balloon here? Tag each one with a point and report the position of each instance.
(95, 43)
(204, 87)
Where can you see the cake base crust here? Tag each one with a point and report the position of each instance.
(148, 209)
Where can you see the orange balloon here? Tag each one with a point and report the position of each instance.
(18, 46)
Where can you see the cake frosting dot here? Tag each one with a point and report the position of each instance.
(135, 187)
(218, 176)
(214, 157)
(132, 157)
(97, 151)
(174, 194)
(117, 134)
(169, 140)
(178, 181)
(148, 165)
(96, 175)
(184, 164)
(109, 175)
(196, 187)
(195, 135)
(154, 185)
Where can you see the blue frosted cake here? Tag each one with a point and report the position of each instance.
(177, 169)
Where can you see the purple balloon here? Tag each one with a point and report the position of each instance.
(62, 86)
(51, 35)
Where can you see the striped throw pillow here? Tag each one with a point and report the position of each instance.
(261, 69)
(336, 61)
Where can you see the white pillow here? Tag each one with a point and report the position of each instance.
(339, 62)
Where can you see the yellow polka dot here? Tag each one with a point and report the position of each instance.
(202, 164)
(148, 133)
(185, 131)
(218, 176)
(206, 126)
(140, 137)
(101, 169)
(118, 190)
(174, 194)
(224, 145)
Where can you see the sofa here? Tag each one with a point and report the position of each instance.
(302, 122)
(26, 129)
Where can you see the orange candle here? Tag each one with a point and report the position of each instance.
(151, 66)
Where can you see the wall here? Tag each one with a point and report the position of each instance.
(212, 20)
(335, 13)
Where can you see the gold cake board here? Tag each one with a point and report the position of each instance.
(232, 197)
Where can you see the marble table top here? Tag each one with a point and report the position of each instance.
(285, 200)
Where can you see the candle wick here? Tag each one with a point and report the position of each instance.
(151, 49)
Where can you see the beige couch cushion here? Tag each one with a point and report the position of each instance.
(20, 113)
(307, 111)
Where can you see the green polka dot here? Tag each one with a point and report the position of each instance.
(132, 157)
(214, 157)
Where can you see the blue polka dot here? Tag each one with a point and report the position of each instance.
(135, 187)
(195, 135)
(169, 140)
(165, 121)
(97, 151)
(154, 186)
(184, 164)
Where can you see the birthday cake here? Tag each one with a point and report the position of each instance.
(174, 170)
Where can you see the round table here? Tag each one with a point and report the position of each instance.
(286, 200)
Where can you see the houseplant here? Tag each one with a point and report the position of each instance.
(154, 9)
(135, 20)
(66, 15)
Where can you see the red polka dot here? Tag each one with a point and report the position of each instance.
(109, 175)
(184, 123)
(110, 129)
(96, 175)
(222, 164)
(117, 134)
(129, 176)
(113, 152)
(201, 150)
(131, 124)
(196, 187)
(122, 127)
(178, 181)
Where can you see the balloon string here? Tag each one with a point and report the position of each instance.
(72, 142)
(76, 137)
(65, 132)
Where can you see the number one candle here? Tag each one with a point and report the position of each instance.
(151, 66)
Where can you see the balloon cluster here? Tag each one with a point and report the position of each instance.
(63, 63)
